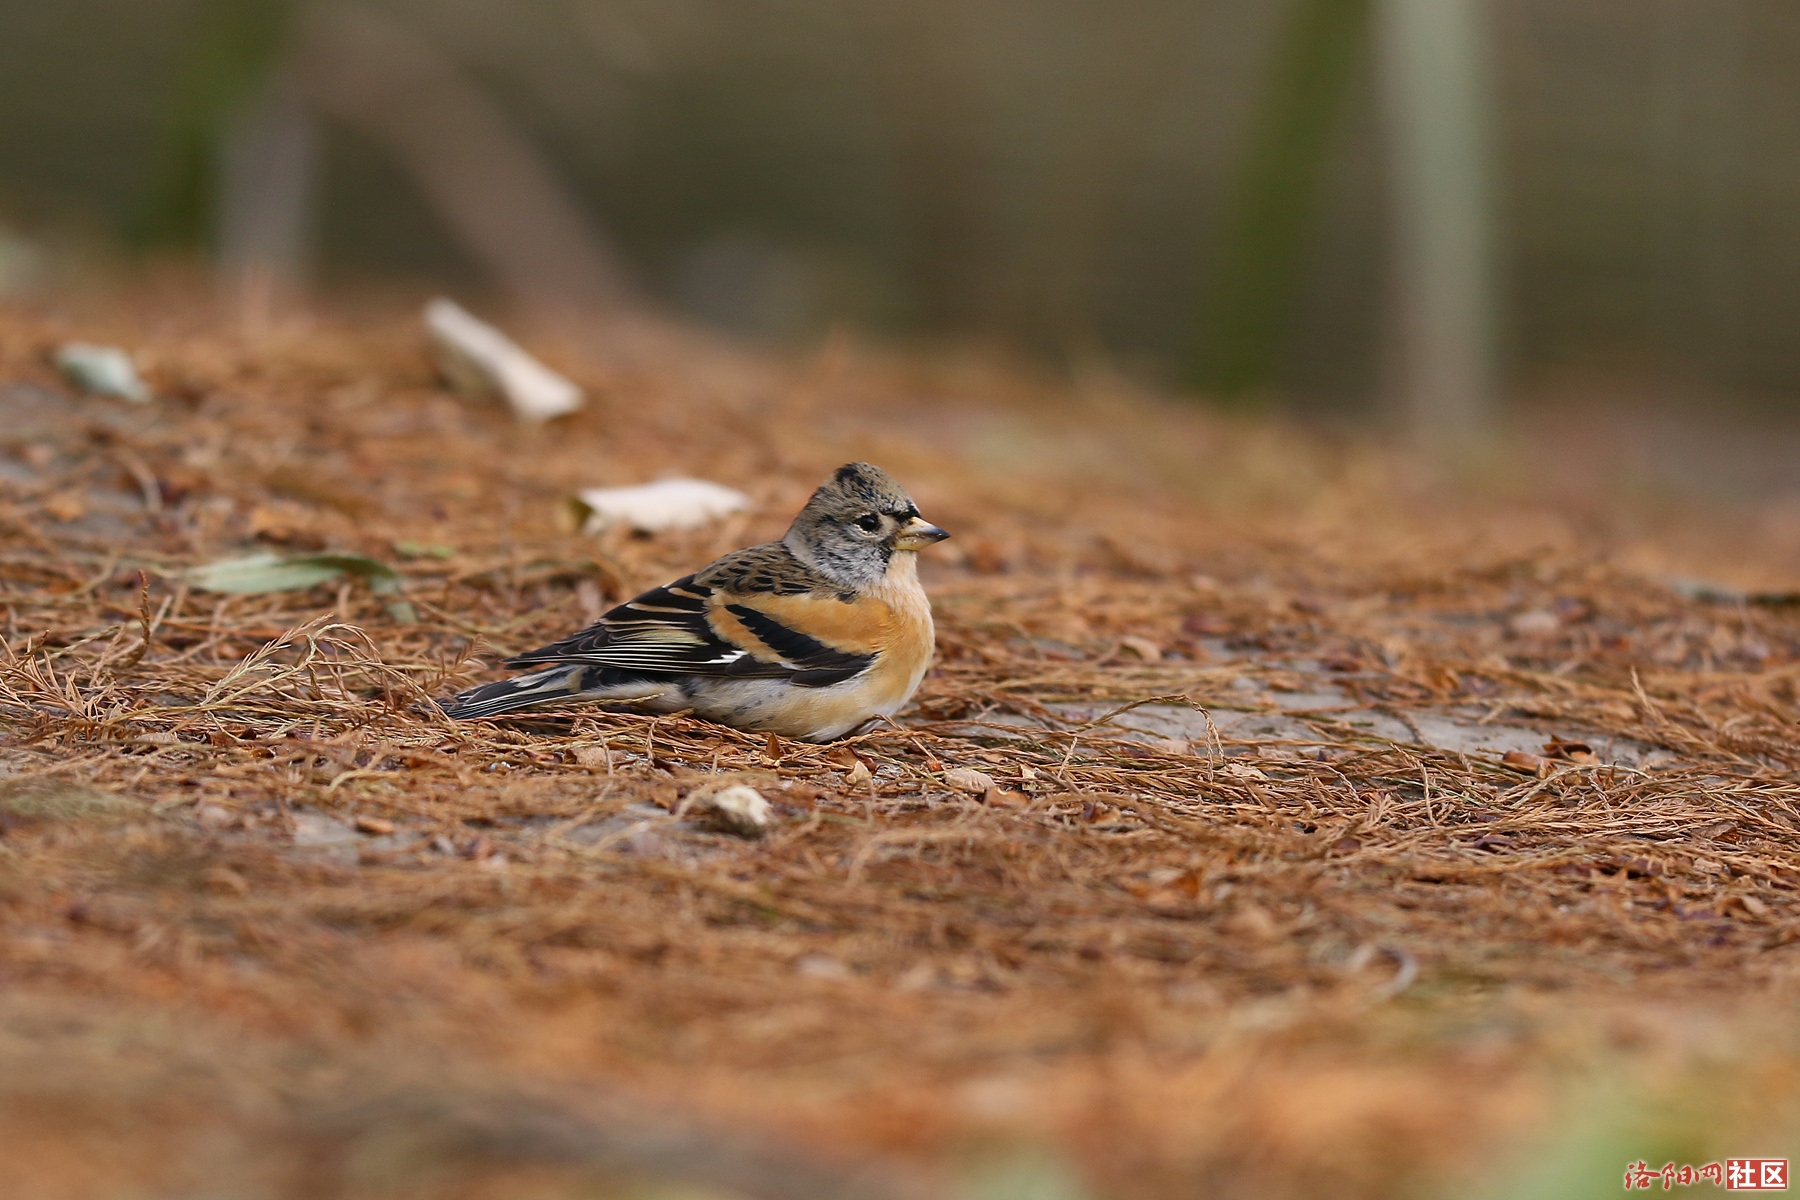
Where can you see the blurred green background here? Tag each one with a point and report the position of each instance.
(1202, 192)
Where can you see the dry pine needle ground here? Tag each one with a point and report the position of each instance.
(270, 920)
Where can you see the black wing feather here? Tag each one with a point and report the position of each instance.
(819, 665)
(662, 632)
(665, 632)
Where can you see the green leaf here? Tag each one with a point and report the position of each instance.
(1023, 1175)
(258, 574)
(423, 550)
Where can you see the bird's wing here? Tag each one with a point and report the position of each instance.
(757, 615)
(665, 631)
(769, 602)
(823, 639)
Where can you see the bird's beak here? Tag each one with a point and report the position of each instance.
(917, 534)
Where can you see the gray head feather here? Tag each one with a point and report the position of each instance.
(847, 530)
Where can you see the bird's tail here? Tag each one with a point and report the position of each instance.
(557, 684)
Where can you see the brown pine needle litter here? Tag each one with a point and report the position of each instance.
(1201, 866)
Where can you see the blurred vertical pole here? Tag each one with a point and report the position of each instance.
(232, 49)
(266, 180)
(1238, 352)
(495, 193)
(1434, 85)
(933, 120)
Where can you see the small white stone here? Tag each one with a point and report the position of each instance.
(214, 816)
(821, 966)
(661, 506)
(317, 829)
(479, 361)
(102, 370)
(593, 756)
(1536, 622)
(738, 809)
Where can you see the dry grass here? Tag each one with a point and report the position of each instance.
(272, 925)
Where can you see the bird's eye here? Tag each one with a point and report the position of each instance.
(869, 523)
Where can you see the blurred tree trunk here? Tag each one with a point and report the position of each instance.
(1434, 83)
(1242, 328)
(235, 44)
(266, 186)
(237, 166)
(932, 123)
(492, 189)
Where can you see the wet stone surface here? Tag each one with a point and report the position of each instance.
(1318, 715)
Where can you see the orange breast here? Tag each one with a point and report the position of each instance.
(910, 638)
(892, 622)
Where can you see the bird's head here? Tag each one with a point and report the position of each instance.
(856, 522)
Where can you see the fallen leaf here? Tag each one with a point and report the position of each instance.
(258, 574)
(478, 361)
(658, 507)
(966, 779)
(1143, 647)
(996, 797)
(410, 549)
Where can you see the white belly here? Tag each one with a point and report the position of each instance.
(820, 714)
(810, 714)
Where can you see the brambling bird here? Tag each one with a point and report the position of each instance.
(807, 637)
